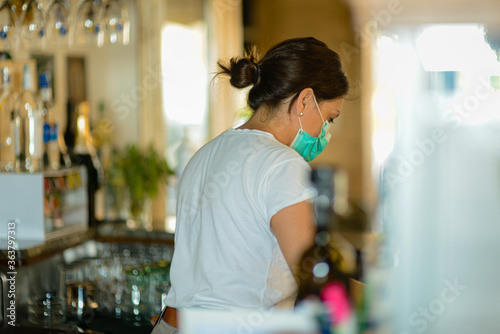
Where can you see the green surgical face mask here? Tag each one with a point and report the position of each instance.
(310, 147)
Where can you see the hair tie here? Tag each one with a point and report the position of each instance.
(256, 73)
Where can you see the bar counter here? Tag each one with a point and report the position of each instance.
(38, 268)
(112, 232)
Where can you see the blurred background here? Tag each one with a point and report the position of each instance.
(400, 56)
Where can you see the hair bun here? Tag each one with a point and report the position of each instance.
(243, 71)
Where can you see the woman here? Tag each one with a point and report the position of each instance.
(243, 217)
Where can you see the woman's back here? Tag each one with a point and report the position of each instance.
(226, 254)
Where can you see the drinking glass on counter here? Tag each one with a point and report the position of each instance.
(79, 288)
(144, 287)
(46, 304)
(135, 296)
(47, 309)
(126, 281)
(159, 283)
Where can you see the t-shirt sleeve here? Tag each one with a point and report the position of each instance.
(287, 184)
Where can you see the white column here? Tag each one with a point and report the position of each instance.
(225, 40)
(151, 17)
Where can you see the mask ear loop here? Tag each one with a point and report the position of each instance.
(300, 123)
(317, 106)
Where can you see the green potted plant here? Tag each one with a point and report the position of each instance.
(141, 172)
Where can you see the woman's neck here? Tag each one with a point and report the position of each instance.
(280, 126)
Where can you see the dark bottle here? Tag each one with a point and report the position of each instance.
(320, 275)
(84, 153)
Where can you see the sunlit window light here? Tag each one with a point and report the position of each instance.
(455, 47)
(383, 127)
(443, 65)
(184, 73)
(394, 68)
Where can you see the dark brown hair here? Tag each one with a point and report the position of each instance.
(285, 70)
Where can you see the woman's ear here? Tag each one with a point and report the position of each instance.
(306, 97)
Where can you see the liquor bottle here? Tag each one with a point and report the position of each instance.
(322, 281)
(28, 127)
(346, 216)
(85, 153)
(50, 124)
(102, 137)
(63, 148)
(102, 140)
(7, 111)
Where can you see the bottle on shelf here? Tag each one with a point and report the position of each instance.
(324, 286)
(63, 148)
(101, 134)
(7, 112)
(50, 123)
(28, 127)
(102, 137)
(85, 153)
(345, 216)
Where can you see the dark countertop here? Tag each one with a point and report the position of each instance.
(119, 232)
(99, 323)
(103, 232)
(51, 247)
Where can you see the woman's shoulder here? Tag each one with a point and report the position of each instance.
(261, 143)
(250, 147)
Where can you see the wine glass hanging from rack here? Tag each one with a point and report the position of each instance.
(116, 22)
(32, 23)
(87, 24)
(40, 24)
(57, 21)
(8, 25)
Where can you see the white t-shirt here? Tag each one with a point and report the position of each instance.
(226, 255)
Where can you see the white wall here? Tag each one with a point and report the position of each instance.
(112, 78)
